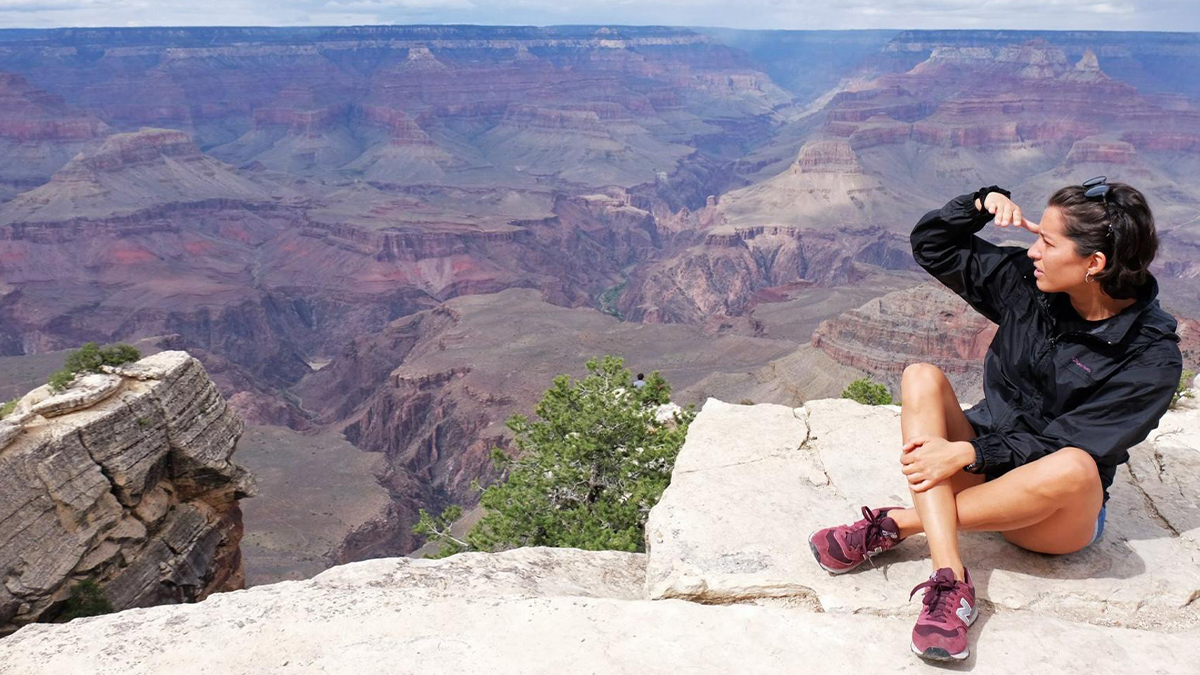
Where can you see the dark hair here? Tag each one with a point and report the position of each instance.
(641, 376)
(1129, 246)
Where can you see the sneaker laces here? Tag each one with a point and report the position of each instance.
(939, 587)
(870, 532)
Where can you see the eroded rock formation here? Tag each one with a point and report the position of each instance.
(131, 486)
(39, 133)
(923, 323)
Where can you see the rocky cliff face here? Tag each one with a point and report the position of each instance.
(929, 323)
(349, 177)
(715, 282)
(907, 132)
(924, 323)
(134, 172)
(936, 102)
(431, 446)
(715, 572)
(39, 133)
(467, 105)
(124, 479)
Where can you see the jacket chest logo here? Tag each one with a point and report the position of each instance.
(1079, 364)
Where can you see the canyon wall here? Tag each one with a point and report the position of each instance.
(926, 323)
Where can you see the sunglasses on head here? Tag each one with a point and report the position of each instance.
(1096, 187)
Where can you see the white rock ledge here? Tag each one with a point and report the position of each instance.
(540, 611)
(84, 392)
(733, 525)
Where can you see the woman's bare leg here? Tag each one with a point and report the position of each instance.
(1049, 505)
(930, 408)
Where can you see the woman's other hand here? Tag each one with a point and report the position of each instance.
(927, 460)
(1006, 212)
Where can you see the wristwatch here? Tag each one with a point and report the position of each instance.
(977, 465)
(982, 193)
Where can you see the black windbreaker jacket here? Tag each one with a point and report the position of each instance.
(1051, 379)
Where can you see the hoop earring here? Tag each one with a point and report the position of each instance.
(1088, 277)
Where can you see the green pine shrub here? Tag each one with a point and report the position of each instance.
(867, 392)
(87, 599)
(587, 471)
(88, 359)
(1183, 390)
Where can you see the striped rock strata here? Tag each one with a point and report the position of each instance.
(135, 492)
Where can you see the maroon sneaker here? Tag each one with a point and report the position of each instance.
(842, 548)
(946, 612)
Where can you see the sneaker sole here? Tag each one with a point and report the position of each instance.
(817, 556)
(939, 654)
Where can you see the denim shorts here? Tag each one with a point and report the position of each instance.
(1099, 526)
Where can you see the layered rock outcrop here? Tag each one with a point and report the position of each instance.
(809, 224)
(172, 242)
(717, 572)
(930, 323)
(936, 102)
(39, 133)
(132, 172)
(126, 481)
(349, 177)
(922, 323)
(715, 282)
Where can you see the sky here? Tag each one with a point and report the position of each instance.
(1152, 15)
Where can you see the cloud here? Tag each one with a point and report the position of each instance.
(385, 5)
(1175, 15)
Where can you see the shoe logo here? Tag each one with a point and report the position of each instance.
(964, 610)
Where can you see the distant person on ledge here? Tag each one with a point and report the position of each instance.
(1081, 369)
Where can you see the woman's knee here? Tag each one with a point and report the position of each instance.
(922, 379)
(1068, 471)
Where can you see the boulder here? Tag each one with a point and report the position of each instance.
(9, 432)
(84, 392)
(126, 482)
(815, 466)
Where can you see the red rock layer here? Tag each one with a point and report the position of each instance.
(923, 323)
(27, 114)
(1032, 95)
(715, 280)
(1117, 153)
(833, 156)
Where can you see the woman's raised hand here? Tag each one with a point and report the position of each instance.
(1007, 213)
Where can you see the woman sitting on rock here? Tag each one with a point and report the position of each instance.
(1083, 365)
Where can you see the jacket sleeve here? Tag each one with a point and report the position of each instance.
(980, 272)
(1118, 416)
